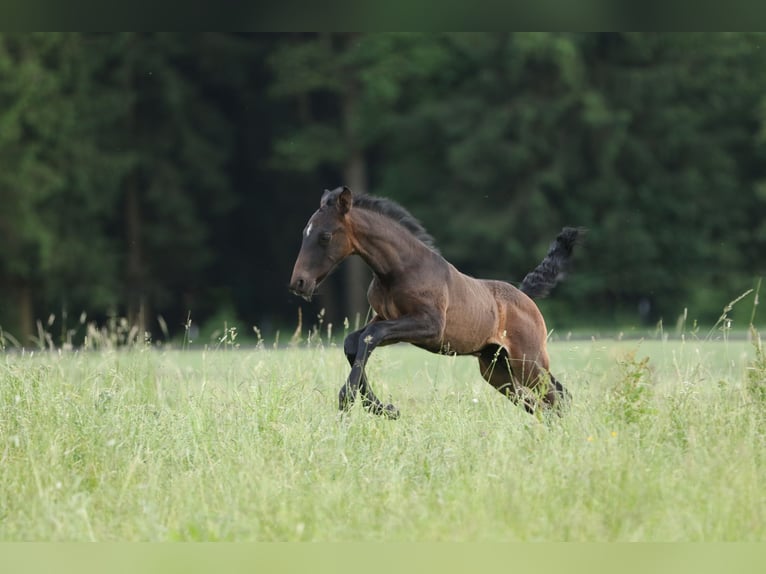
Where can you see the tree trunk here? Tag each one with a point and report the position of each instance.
(25, 314)
(356, 275)
(135, 275)
(134, 272)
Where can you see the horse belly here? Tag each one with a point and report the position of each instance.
(469, 327)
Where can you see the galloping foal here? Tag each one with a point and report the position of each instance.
(420, 298)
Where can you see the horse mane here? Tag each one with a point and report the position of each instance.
(395, 212)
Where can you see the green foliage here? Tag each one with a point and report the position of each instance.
(89, 120)
(34, 117)
(518, 134)
(173, 172)
(630, 396)
(172, 142)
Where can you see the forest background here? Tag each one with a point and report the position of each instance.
(165, 178)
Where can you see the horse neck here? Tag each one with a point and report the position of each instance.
(384, 245)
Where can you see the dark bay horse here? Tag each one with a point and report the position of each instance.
(420, 298)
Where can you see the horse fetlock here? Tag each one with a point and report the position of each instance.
(346, 397)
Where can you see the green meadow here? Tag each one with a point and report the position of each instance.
(664, 441)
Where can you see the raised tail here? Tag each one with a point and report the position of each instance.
(539, 282)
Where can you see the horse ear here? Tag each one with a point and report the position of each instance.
(345, 200)
(324, 197)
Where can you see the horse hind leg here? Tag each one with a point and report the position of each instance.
(539, 386)
(561, 395)
(522, 380)
(543, 390)
(496, 369)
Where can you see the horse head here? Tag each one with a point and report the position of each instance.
(326, 242)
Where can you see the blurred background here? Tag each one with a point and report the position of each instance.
(164, 178)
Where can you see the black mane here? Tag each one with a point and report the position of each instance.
(393, 211)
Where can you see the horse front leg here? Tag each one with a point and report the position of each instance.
(346, 397)
(423, 330)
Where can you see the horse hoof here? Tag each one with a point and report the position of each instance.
(390, 412)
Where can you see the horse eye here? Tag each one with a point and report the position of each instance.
(325, 237)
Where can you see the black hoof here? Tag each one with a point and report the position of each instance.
(387, 411)
(390, 412)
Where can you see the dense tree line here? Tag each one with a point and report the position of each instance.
(146, 175)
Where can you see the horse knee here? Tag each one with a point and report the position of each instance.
(350, 345)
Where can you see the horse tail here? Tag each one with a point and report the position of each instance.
(539, 282)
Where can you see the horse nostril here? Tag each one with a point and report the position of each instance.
(302, 287)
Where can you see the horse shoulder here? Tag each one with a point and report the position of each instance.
(407, 296)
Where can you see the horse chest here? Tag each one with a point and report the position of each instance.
(387, 309)
(382, 302)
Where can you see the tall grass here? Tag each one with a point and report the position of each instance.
(663, 442)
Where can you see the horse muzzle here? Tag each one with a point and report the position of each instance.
(302, 287)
